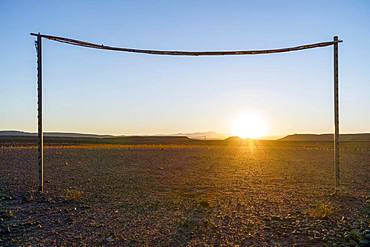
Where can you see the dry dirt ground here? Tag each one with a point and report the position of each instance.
(250, 194)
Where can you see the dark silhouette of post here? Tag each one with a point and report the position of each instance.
(40, 133)
(336, 115)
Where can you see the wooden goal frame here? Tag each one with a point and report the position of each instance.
(38, 43)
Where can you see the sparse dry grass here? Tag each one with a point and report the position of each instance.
(321, 210)
(72, 195)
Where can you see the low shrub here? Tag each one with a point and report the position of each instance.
(321, 210)
(72, 195)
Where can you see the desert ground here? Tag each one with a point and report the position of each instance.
(252, 193)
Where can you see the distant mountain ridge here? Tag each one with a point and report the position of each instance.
(327, 137)
(53, 134)
(210, 135)
(196, 135)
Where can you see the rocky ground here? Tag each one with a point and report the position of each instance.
(250, 194)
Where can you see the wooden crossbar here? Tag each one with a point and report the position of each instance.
(185, 53)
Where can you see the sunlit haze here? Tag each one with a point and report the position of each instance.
(249, 125)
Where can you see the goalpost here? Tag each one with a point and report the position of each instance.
(38, 45)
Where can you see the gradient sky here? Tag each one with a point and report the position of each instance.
(93, 91)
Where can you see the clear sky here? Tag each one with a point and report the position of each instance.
(93, 91)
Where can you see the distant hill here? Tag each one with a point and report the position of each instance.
(15, 133)
(77, 138)
(203, 135)
(11, 136)
(327, 137)
(237, 139)
(173, 138)
(196, 135)
(233, 139)
(51, 134)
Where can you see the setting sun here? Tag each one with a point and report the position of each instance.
(249, 126)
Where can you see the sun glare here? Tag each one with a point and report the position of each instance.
(249, 126)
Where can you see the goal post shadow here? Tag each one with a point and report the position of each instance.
(38, 44)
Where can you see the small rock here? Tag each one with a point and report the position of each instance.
(109, 239)
(346, 235)
(275, 217)
(4, 230)
(6, 198)
(28, 197)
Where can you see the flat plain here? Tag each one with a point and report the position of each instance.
(251, 193)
